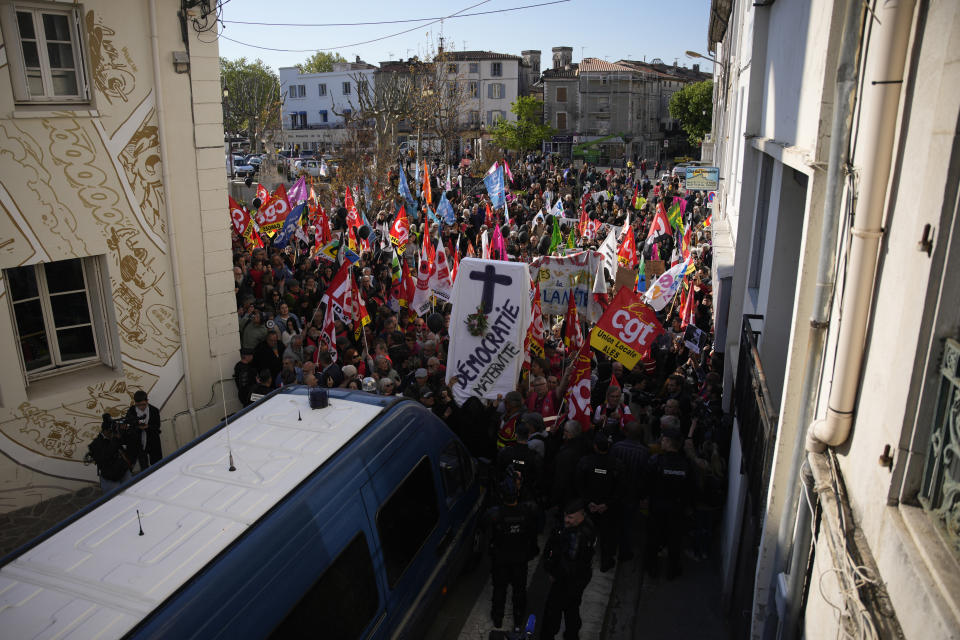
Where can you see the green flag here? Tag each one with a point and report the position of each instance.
(675, 217)
(556, 238)
(571, 240)
(395, 269)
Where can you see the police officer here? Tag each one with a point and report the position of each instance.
(567, 559)
(512, 532)
(523, 460)
(600, 484)
(670, 491)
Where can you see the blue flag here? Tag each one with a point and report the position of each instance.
(407, 196)
(289, 226)
(557, 207)
(494, 184)
(431, 216)
(445, 210)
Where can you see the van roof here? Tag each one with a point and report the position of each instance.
(99, 576)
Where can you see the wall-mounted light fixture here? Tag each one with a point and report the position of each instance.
(181, 61)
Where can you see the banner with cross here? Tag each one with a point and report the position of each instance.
(490, 317)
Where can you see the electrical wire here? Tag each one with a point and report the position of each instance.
(359, 24)
(355, 44)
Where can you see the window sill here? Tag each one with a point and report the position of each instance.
(939, 564)
(46, 111)
(57, 384)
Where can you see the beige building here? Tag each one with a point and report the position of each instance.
(114, 235)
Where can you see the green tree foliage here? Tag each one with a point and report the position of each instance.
(320, 62)
(692, 107)
(252, 99)
(528, 132)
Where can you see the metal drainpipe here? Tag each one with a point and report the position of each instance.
(883, 74)
(840, 131)
(171, 235)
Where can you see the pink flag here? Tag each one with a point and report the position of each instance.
(298, 192)
(498, 250)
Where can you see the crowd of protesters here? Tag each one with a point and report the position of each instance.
(649, 469)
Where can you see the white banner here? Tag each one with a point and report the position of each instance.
(491, 298)
(559, 275)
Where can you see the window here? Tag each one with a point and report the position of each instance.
(474, 117)
(495, 90)
(346, 88)
(343, 600)
(406, 519)
(452, 67)
(562, 120)
(46, 53)
(456, 469)
(323, 116)
(760, 223)
(322, 88)
(59, 315)
(494, 116)
(474, 67)
(561, 94)
(452, 90)
(474, 88)
(362, 86)
(496, 68)
(298, 91)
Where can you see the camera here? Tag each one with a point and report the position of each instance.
(113, 426)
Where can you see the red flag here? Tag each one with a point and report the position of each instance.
(323, 226)
(239, 216)
(359, 311)
(572, 334)
(578, 393)
(708, 221)
(688, 308)
(427, 247)
(685, 244)
(407, 285)
(263, 194)
(456, 262)
(488, 220)
(427, 193)
(627, 256)
(660, 224)
(400, 230)
(506, 170)
(273, 214)
(584, 200)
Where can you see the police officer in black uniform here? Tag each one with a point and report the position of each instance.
(512, 532)
(670, 492)
(600, 484)
(567, 559)
(523, 460)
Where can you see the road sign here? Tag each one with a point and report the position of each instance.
(711, 198)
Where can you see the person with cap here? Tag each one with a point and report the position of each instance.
(511, 528)
(669, 483)
(567, 559)
(413, 386)
(245, 376)
(349, 375)
(600, 484)
(263, 386)
(425, 395)
(144, 419)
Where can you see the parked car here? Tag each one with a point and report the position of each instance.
(239, 168)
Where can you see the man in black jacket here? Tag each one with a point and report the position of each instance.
(144, 418)
(568, 559)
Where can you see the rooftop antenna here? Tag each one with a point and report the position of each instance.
(139, 522)
(226, 418)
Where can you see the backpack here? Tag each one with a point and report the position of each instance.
(109, 459)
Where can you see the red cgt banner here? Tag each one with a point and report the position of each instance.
(627, 329)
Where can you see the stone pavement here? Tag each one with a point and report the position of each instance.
(22, 525)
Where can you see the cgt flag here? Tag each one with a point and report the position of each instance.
(400, 231)
(627, 329)
(578, 393)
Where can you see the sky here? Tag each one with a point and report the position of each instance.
(608, 29)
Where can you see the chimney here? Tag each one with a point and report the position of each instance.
(358, 59)
(696, 68)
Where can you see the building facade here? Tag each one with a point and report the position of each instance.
(619, 110)
(112, 191)
(836, 234)
(316, 106)
(489, 82)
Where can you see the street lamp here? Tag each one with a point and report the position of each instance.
(694, 54)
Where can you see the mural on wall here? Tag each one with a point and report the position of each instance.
(68, 188)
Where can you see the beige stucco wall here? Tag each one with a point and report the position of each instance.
(89, 183)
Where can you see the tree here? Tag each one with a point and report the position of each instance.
(528, 132)
(692, 107)
(320, 62)
(251, 98)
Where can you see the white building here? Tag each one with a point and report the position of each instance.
(490, 83)
(316, 105)
(114, 232)
(836, 244)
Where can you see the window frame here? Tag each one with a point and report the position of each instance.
(101, 320)
(452, 67)
(324, 117)
(495, 89)
(15, 57)
(564, 98)
(322, 90)
(473, 88)
(345, 88)
(496, 69)
(564, 114)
